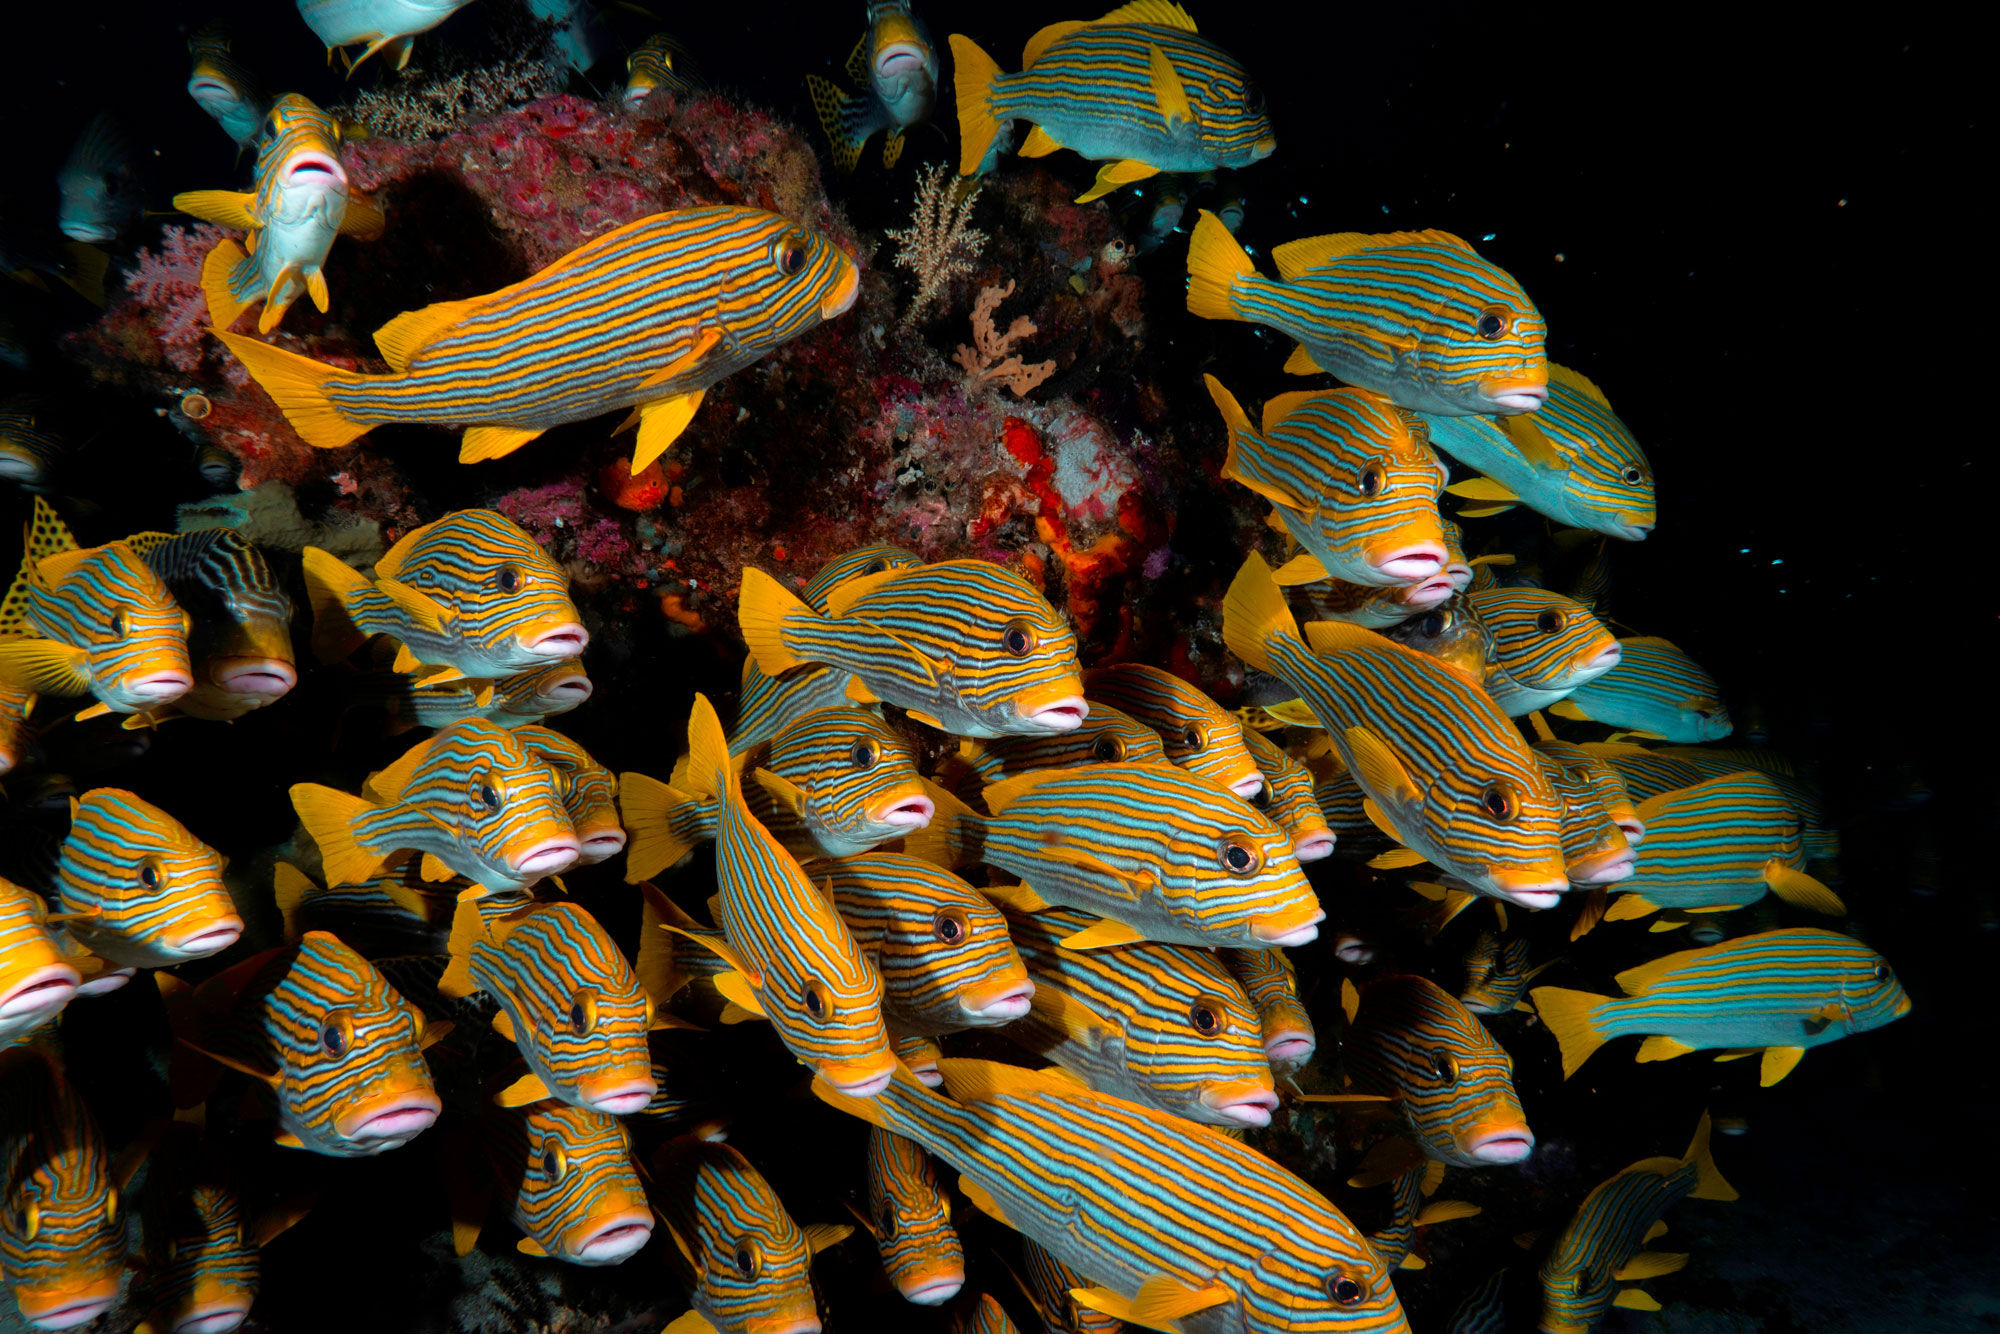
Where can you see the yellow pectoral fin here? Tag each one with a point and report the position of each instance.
(1163, 1299)
(226, 208)
(1168, 93)
(736, 989)
(504, 1026)
(481, 443)
(661, 423)
(526, 1089)
(1778, 1062)
(364, 220)
(98, 710)
(529, 1246)
(418, 605)
(1801, 890)
(1114, 174)
(46, 666)
(929, 720)
(1105, 934)
(704, 343)
(1632, 1299)
(1378, 819)
(1301, 362)
(1534, 446)
(1397, 859)
(1376, 766)
(1039, 143)
(1651, 1264)
(1482, 488)
(1304, 568)
(982, 1199)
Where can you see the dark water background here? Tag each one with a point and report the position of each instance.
(1759, 236)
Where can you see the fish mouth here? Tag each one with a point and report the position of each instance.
(264, 678)
(397, 1122)
(66, 1310)
(547, 857)
(315, 168)
(1313, 847)
(214, 1318)
(1602, 661)
(932, 1288)
(1604, 868)
(999, 1002)
(907, 813)
(1431, 592)
(1530, 886)
(900, 56)
(1520, 394)
(1241, 1102)
(1501, 1147)
(106, 983)
(568, 691)
(602, 844)
(1353, 949)
(211, 939)
(1290, 1047)
(1063, 715)
(635, 93)
(1630, 825)
(566, 639)
(1293, 928)
(161, 687)
(1412, 564)
(783, 1323)
(860, 1079)
(1633, 532)
(1248, 788)
(621, 1098)
(928, 1074)
(614, 1239)
(45, 990)
(835, 303)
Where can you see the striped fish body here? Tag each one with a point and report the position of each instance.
(1544, 646)
(1417, 317)
(1655, 690)
(1271, 983)
(1369, 606)
(1451, 631)
(575, 1192)
(982, 1313)
(898, 66)
(36, 977)
(571, 1002)
(943, 950)
(1161, 1026)
(964, 645)
(646, 316)
(1796, 988)
(910, 1218)
(1454, 1084)
(1107, 736)
(196, 1258)
(1344, 805)
(1048, 1283)
(589, 792)
(1724, 841)
(375, 25)
(745, 1262)
(391, 916)
(26, 454)
(1134, 1197)
(1648, 773)
(1395, 1240)
(1287, 798)
(1578, 1279)
(1484, 1309)
(62, 1237)
(1445, 769)
(337, 1047)
(224, 89)
(471, 594)
(1606, 781)
(1595, 849)
(137, 888)
(97, 622)
(1199, 734)
(1496, 973)
(1574, 461)
(921, 1055)
(1160, 853)
(1350, 482)
(526, 697)
(240, 640)
(472, 797)
(660, 62)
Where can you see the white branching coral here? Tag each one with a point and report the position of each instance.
(940, 243)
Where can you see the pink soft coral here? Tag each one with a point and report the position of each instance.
(168, 285)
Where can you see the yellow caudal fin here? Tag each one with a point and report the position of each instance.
(646, 806)
(710, 770)
(468, 929)
(1709, 1184)
(762, 610)
(330, 587)
(329, 815)
(291, 887)
(658, 974)
(1569, 1015)
(1243, 435)
(1254, 613)
(298, 386)
(1216, 260)
(223, 307)
(977, 125)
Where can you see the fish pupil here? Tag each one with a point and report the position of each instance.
(149, 876)
(887, 1222)
(1444, 1067)
(1237, 857)
(1881, 972)
(815, 1003)
(1549, 622)
(1344, 1290)
(1492, 324)
(509, 579)
(875, 566)
(332, 1039)
(1016, 640)
(1192, 738)
(1371, 481)
(488, 797)
(949, 928)
(862, 756)
(746, 1261)
(1204, 1019)
(1498, 801)
(1632, 476)
(1108, 748)
(1434, 624)
(117, 625)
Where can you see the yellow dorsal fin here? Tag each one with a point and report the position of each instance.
(387, 785)
(1578, 381)
(999, 796)
(1042, 40)
(53, 569)
(1159, 13)
(850, 591)
(1281, 406)
(710, 770)
(411, 332)
(391, 564)
(1295, 257)
(290, 887)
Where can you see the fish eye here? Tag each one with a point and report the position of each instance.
(1109, 748)
(1204, 1018)
(484, 794)
(950, 926)
(117, 624)
(1435, 624)
(555, 1163)
(27, 1220)
(1192, 739)
(817, 1004)
(885, 1221)
(336, 1033)
(875, 566)
(863, 754)
(582, 1011)
(1881, 973)
(1494, 323)
(1632, 476)
(1372, 480)
(1345, 1290)
(1018, 638)
(151, 875)
(788, 252)
(1239, 857)
(508, 578)
(1549, 621)
(1444, 1067)
(746, 1258)
(1501, 802)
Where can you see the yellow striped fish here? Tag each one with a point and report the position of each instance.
(1595, 849)
(572, 1187)
(1374, 607)
(981, 1313)
(1446, 772)
(1544, 646)
(660, 62)
(646, 317)
(1288, 800)
(62, 1237)
(963, 645)
(1176, 1221)
(1605, 780)
(791, 957)
(1452, 1082)
(336, 1048)
(1601, 1244)
(920, 1056)
(1409, 1213)
(16, 703)
(299, 202)
(832, 783)
(1724, 842)
(1497, 973)
(36, 977)
(943, 950)
(1268, 979)
(1161, 1026)
(468, 595)
(525, 697)
(1352, 484)
(1106, 736)
(1139, 87)
(1048, 1284)
(1656, 691)
(1451, 631)
(198, 1268)
(1417, 317)
(1782, 991)
(136, 888)
(240, 637)
(909, 1216)
(472, 799)
(1155, 852)
(589, 793)
(568, 1000)
(1200, 735)
(1648, 773)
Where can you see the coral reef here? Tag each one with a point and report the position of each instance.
(940, 243)
(991, 359)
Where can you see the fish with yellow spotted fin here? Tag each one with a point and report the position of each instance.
(897, 65)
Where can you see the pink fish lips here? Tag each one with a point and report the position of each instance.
(566, 639)
(67, 1310)
(548, 857)
(392, 1124)
(1241, 1102)
(1061, 715)
(43, 991)
(1289, 1046)
(1411, 564)
(1511, 1144)
(214, 938)
(161, 687)
(314, 168)
(909, 813)
(620, 1099)
(613, 1239)
(1002, 1002)
(265, 678)
(1507, 397)
(218, 1317)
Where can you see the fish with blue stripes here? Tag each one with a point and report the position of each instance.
(1595, 848)
(1544, 646)
(197, 1264)
(1600, 1246)
(646, 317)
(1199, 734)
(1411, 1210)
(1607, 781)
(1647, 773)
(62, 1235)
(1176, 1221)
(909, 1215)
(36, 977)
(1154, 852)
(1484, 1309)
(471, 799)
(1139, 90)
(1781, 991)
(136, 888)
(569, 1001)
(240, 636)
(1417, 317)
(1161, 1026)
(1497, 973)
(589, 793)
(1272, 984)
(333, 1047)
(1656, 692)
(660, 62)
(532, 696)
(1048, 1283)
(1451, 631)
(833, 783)
(1725, 841)
(570, 1184)
(470, 595)
(1446, 772)
(1573, 461)
(387, 26)
(101, 197)
(1288, 798)
(300, 200)
(964, 645)
(1106, 736)
(1349, 480)
(225, 90)
(897, 66)
(981, 1313)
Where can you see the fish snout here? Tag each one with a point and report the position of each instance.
(1248, 786)
(1502, 1144)
(567, 690)
(1433, 591)
(160, 687)
(860, 1078)
(216, 1317)
(266, 678)
(547, 857)
(1603, 660)
(1352, 949)
(1241, 1102)
(1290, 928)
(599, 845)
(842, 294)
(1515, 394)
(1630, 825)
(392, 1122)
(618, 1096)
(68, 1308)
(1632, 531)
(1000, 1001)
(612, 1240)
(43, 991)
(784, 1321)
(928, 1074)
(1410, 564)
(212, 938)
(906, 812)
(560, 639)
(313, 168)
(1313, 845)
(105, 983)
(1530, 886)
(1289, 1047)
(933, 1285)
(1061, 715)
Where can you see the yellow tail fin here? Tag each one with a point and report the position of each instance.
(1215, 261)
(761, 613)
(1709, 1184)
(223, 307)
(647, 807)
(977, 125)
(1255, 612)
(468, 928)
(298, 386)
(329, 815)
(291, 888)
(330, 583)
(658, 974)
(1568, 1014)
